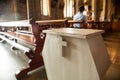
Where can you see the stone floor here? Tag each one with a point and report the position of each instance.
(11, 61)
(113, 46)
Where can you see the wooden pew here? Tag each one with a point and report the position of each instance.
(29, 39)
(53, 23)
(104, 25)
(37, 27)
(12, 40)
(71, 22)
(13, 37)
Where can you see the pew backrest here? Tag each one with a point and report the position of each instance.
(53, 23)
(72, 22)
(104, 25)
(38, 26)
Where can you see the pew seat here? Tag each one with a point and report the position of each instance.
(12, 39)
(16, 45)
(28, 39)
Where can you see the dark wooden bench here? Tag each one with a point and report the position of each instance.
(71, 22)
(39, 37)
(53, 23)
(24, 36)
(103, 25)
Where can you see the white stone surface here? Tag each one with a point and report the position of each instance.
(75, 54)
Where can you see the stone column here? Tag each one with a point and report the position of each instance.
(97, 9)
(15, 9)
(109, 12)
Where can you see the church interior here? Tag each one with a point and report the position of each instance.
(38, 40)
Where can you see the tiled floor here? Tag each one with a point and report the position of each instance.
(10, 62)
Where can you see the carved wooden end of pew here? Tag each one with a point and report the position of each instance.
(36, 59)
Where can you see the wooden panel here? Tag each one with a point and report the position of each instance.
(116, 26)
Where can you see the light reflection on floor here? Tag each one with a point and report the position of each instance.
(113, 46)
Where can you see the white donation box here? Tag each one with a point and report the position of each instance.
(75, 54)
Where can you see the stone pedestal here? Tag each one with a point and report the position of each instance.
(75, 54)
